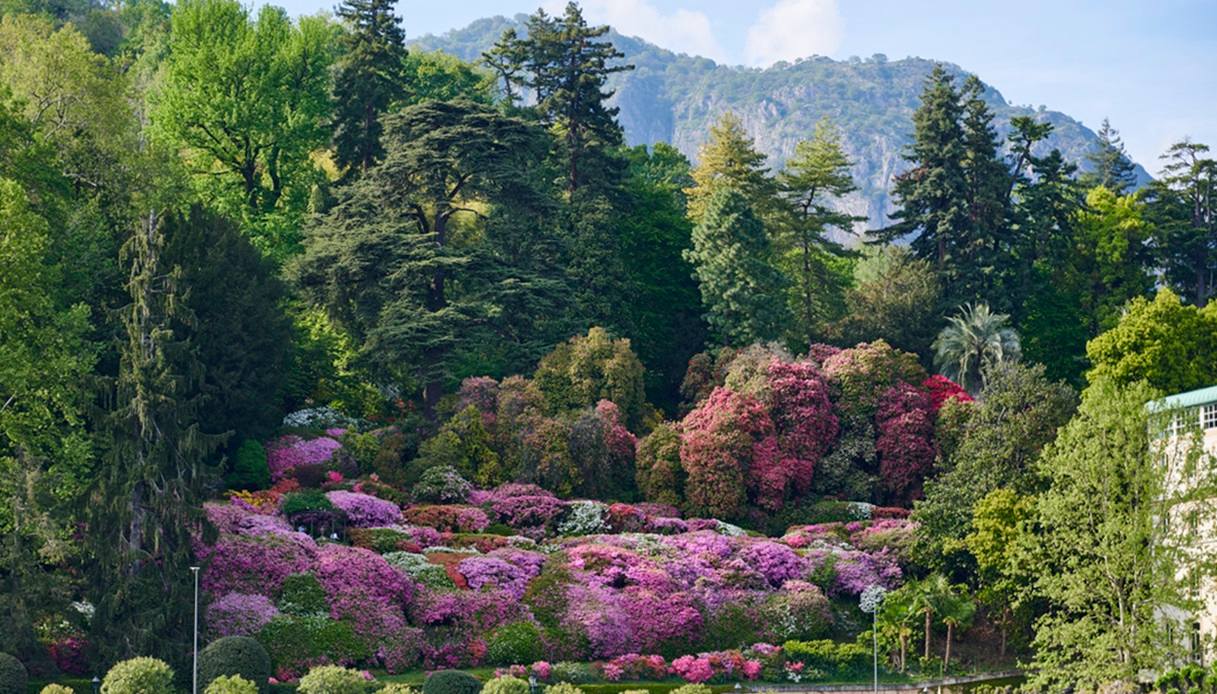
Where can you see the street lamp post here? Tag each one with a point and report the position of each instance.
(869, 601)
(194, 678)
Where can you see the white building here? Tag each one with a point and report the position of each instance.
(1192, 420)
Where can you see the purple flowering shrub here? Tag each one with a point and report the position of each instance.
(290, 452)
(239, 614)
(363, 510)
(255, 564)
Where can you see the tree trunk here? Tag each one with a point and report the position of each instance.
(904, 647)
(946, 658)
(928, 626)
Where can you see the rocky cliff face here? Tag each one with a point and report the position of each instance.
(674, 98)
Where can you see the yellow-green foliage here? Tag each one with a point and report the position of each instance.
(56, 689)
(397, 688)
(463, 443)
(506, 685)
(231, 684)
(139, 676)
(692, 689)
(333, 679)
(563, 688)
(587, 369)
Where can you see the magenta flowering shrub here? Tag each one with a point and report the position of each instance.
(239, 614)
(633, 666)
(719, 441)
(255, 564)
(527, 511)
(716, 666)
(778, 563)
(353, 572)
(855, 571)
(291, 452)
(363, 510)
(382, 626)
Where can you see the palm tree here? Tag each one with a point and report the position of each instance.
(897, 614)
(957, 610)
(973, 342)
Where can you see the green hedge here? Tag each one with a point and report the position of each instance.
(835, 660)
(235, 655)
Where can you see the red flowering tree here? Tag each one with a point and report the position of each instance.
(721, 439)
(905, 420)
(942, 389)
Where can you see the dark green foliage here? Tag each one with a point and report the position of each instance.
(390, 262)
(13, 677)
(147, 500)
(239, 330)
(658, 472)
(451, 682)
(235, 655)
(733, 262)
(249, 469)
(514, 643)
(305, 501)
(999, 438)
(462, 444)
(368, 79)
(296, 642)
(1183, 206)
(301, 594)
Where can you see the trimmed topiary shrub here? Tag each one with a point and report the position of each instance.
(56, 689)
(235, 655)
(249, 468)
(397, 688)
(333, 679)
(295, 642)
(302, 594)
(506, 685)
(13, 677)
(514, 644)
(231, 684)
(451, 682)
(563, 688)
(139, 676)
(692, 689)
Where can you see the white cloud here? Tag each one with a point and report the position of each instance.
(682, 30)
(794, 29)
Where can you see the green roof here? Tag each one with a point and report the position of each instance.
(1192, 398)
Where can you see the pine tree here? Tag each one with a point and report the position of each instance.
(729, 159)
(933, 194)
(368, 79)
(816, 177)
(1109, 162)
(732, 260)
(1183, 206)
(986, 244)
(506, 58)
(145, 507)
(567, 68)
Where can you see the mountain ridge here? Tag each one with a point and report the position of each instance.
(674, 97)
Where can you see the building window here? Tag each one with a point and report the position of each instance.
(1208, 416)
(1197, 651)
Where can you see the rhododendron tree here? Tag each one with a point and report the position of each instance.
(290, 452)
(363, 510)
(239, 614)
(905, 420)
(719, 440)
(942, 389)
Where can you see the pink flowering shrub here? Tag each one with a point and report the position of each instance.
(291, 452)
(71, 654)
(722, 438)
(364, 511)
(509, 570)
(526, 511)
(449, 518)
(716, 666)
(778, 563)
(633, 666)
(239, 614)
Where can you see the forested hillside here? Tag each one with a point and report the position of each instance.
(674, 98)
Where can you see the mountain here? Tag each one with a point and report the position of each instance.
(674, 98)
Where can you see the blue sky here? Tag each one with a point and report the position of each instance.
(1149, 65)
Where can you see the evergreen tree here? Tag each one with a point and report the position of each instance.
(732, 260)
(729, 159)
(985, 245)
(506, 58)
(397, 261)
(1183, 207)
(146, 504)
(368, 79)
(567, 68)
(816, 177)
(1110, 166)
(931, 194)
